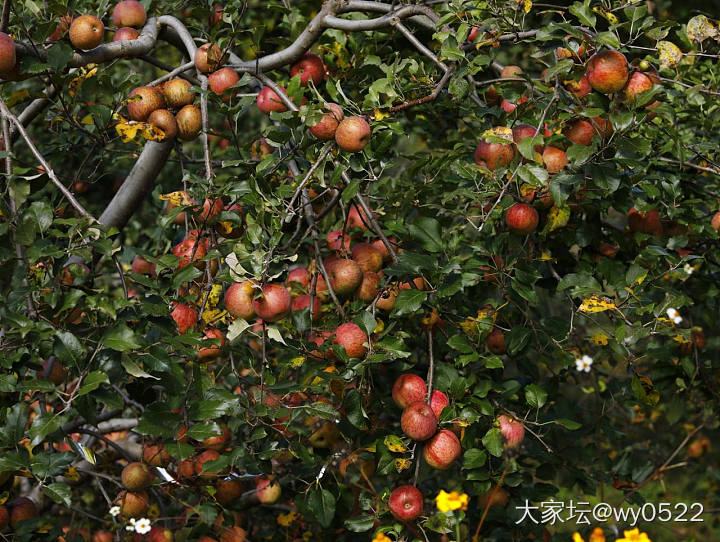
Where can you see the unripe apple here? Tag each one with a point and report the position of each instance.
(607, 71)
(8, 59)
(102, 536)
(143, 101)
(239, 300)
(325, 128)
(132, 504)
(268, 489)
(177, 93)
(442, 450)
(165, 120)
(125, 34)
(408, 389)
(190, 250)
(580, 132)
(310, 66)
(352, 134)
(129, 13)
(367, 257)
(352, 339)
(522, 218)
(136, 476)
(496, 342)
(204, 457)
(438, 401)
(418, 421)
(22, 509)
(345, 276)
(58, 373)
(493, 155)
(189, 122)
(160, 534)
(369, 287)
(155, 455)
(512, 431)
(645, 222)
(142, 267)
(406, 503)
(208, 57)
(86, 32)
(227, 491)
(300, 276)
(338, 241)
(554, 159)
(233, 534)
(268, 101)
(274, 304)
(302, 302)
(209, 353)
(222, 79)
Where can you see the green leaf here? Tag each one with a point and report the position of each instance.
(517, 338)
(408, 301)
(579, 154)
(428, 233)
(133, 369)
(474, 458)
(92, 382)
(51, 464)
(354, 410)
(584, 13)
(120, 338)
(493, 442)
(59, 55)
(460, 343)
(319, 504)
(568, 424)
(43, 425)
(535, 396)
(69, 346)
(59, 492)
(360, 524)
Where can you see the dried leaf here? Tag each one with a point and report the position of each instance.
(670, 54)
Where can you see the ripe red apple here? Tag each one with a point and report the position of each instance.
(239, 300)
(209, 353)
(227, 491)
(406, 503)
(508, 106)
(378, 244)
(438, 401)
(523, 131)
(211, 208)
(61, 27)
(512, 431)
(165, 120)
(580, 132)
(22, 509)
(190, 250)
(204, 457)
(132, 504)
(554, 159)
(143, 101)
(274, 304)
(177, 93)
(218, 442)
(102, 536)
(185, 317)
(135, 476)
(325, 128)
(86, 32)
(302, 302)
(300, 276)
(645, 222)
(522, 218)
(222, 79)
(310, 66)
(58, 373)
(638, 82)
(715, 221)
(189, 122)
(267, 101)
(125, 34)
(442, 450)
(339, 241)
(496, 342)
(129, 13)
(268, 489)
(367, 257)
(493, 155)
(186, 468)
(408, 389)
(233, 534)
(160, 534)
(352, 339)
(260, 149)
(352, 134)
(155, 455)
(418, 421)
(369, 287)
(208, 57)
(579, 88)
(345, 276)
(7, 53)
(607, 71)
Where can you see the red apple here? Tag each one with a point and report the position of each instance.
(177, 93)
(522, 218)
(268, 101)
(268, 489)
(345, 276)
(579, 88)
(645, 222)
(367, 257)
(325, 128)
(352, 339)
(129, 13)
(234, 534)
(143, 101)
(142, 267)
(274, 305)
(352, 134)
(339, 240)
(7, 53)
(302, 302)
(155, 455)
(208, 58)
(165, 120)
(554, 159)
(310, 66)
(190, 250)
(205, 457)
(300, 276)
(189, 122)
(184, 316)
(369, 287)
(378, 244)
(406, 503)
(418, 421)
(639, 82)
(408, 389)
(438, 401)
(102, 536)
(226, 491)
(218, 442)
(493, 155)
(239, 300)
(607, 71)
(580, 132)
(496, 342)
(260, 149)
(160, 534)
(209, 353)
(715, 221)
(22, 509)
(512, 431)
(58, 373)
(222, 80)
(86, 32)
(132, 505)
(442, 450)
(135, 476)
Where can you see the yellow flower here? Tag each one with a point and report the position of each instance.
(380, 537)
(634, 536)
(447, 502)
(597, 535)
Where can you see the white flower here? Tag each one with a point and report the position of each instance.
(114, 511)
(689, 269)
(674, 316)
(142, 526)
(584, 363)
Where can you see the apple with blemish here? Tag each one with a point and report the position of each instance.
(156, 455)
(326, 127)
(135, 476)
(352, 134)
(302, 302)
(338, 240)
(125, 34)
(438, 401)
(160, 534)
(268, 489)
(189, 122)
(165, 120)
(268, 101)
(227, 491)
(512, 430)
(142, 101)
(260, 149)
(209, 353)
(132, 504)
(554, 159)
(367, 257)
(177, 93)
(352, 339)
(369, 287)
(300, 276)
(607, 71)
(208, 58)
(86, 32)
(496, 342)
(345, 276)
(206, 457)
(493, 155)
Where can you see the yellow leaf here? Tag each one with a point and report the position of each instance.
(669, 53)
(18, 96)
(597, 303)
(527, 6)
(499, 134)
(177, 198)
(599, 339)
(285, 520)
(610, 17)
(72, 474)
(297, 362)
(87, 120)
(127, 130)
(699, 28)
(402, 464)
(557, 218)
(214, 315)
(395, 444)
(379, 115)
